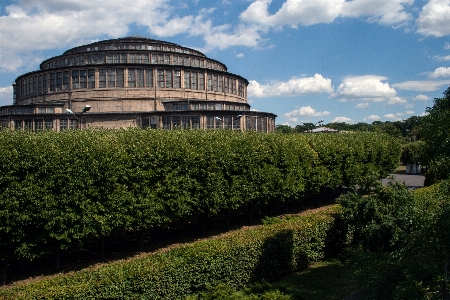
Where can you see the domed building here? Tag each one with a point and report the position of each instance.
(135, 82)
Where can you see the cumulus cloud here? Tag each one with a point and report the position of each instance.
(308, 12)
(342, 120)
(305, 111)
(293, 12)
(420, 97)
(240, 55)
(422, 86)
(440, 72)
(372, 118)
(382, 12)
(294, 86)
(434, 18)
(409, 112)
(362, 105)
(6, 95)
(442, 58)
(394, 117)
(365, 88)
(396, 100)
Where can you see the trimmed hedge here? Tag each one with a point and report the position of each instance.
(62, 190)
(238, 258)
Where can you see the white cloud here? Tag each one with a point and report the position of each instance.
(420, 97)
(383, 12)
(363, 105)
(394, 117)
(434, 18)
(366, 88)
(440, 72)
(240, 55)
(6, 95)
(409, 112)
(294, 86)
(305, 111)
(442, 58)
(372, 118)
(293, 12)
(308, 12)
(421, 86)
(396, 100)
(342, 120)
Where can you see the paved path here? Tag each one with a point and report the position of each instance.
(412, 181)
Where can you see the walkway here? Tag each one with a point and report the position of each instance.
(412, 181)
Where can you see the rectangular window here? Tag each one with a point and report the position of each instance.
(226, 85)
(111, 78)
(236, 123)
(220, 84)
(123, 58)
(131, 78)
(73, 124)
(185, 122)
(59, 81)
(5, 124)
(194, 85)
(44, 84)
(132, 57)
(187, 79)
(167, 59)
(48, 124)
(228, 120)
(110, 58)
(201, 81)
(210, 86)
(241, 89)
(145, 58)
(153, 122)
(116, 58)
(83, 79)
(75, 80)
(65, 80)
(195, 122)
(35, 84)
(52, 82)
(210, 106)
(28, 124)
(18, 124)
(177, 79)
(63, 125)
(119, 78)
(91, 78)
(102, 78)
(140, 77)
(215, 83)
(38, 125)
(176, 121)
(210, 122)
(218, 106)
(169, 79)
(139, 58)
(166, 122)
(233, 87)
(149, 78)
(160, 78)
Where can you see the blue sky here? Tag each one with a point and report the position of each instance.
(306, 60)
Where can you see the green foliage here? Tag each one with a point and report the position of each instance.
(402, 240)
(435, 132)
(235, 259)
(412, 152)
(63, 190)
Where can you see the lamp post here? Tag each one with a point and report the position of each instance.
(70, 112)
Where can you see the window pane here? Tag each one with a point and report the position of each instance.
(102, 78)
(131, 78)
(119, 79)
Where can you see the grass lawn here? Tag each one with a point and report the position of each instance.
(324, 280)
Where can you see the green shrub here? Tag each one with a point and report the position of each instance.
(235, 259)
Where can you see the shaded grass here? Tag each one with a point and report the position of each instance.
(325, 280)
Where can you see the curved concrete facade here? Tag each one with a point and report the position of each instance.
(132, 81)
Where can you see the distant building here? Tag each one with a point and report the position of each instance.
(132, 82)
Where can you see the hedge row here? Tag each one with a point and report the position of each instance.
(237, 258)
(60, 190)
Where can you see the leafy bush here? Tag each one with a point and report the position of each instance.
(402, 240)
(235, 259)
